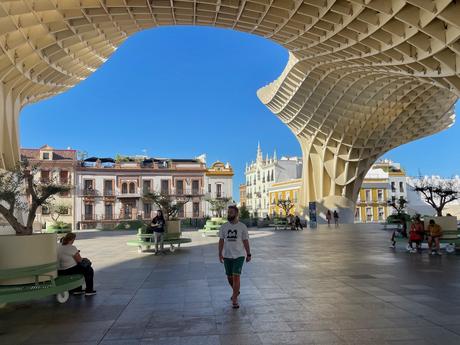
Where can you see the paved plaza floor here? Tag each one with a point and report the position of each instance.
(323, 286)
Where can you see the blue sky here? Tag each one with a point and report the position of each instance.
(184, 91)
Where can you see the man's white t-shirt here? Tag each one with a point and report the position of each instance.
(65, 256)
(233, 236)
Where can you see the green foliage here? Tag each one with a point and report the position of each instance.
(166, 203)
(58, 209)
(130, 225)
(120, 158)
(218, 205)
(21, 192)
(59, 225)
(396, 218)
(244, 213)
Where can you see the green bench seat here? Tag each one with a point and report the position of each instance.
(58, 286)
(448, 237)
(145, 241)
(206, 232)
(278, 223)
(212, 227)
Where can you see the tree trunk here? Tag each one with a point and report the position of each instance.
(15, 224)
(439, 212)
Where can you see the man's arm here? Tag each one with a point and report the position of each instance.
(248, 250)
(221, 248)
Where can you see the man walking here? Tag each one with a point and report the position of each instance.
(233, 248)
(336, 218)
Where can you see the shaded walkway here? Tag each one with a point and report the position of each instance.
(325, 286)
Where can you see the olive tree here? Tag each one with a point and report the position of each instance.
(437, 193)
(21, 194)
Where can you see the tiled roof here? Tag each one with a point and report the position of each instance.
(57, 154)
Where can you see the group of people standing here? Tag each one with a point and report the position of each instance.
(334, 215)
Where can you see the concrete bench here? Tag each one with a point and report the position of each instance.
(59, 286)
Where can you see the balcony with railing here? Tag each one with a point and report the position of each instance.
(109, 217)
(88, 217)
(88, 192)
(108, 192)
(187, 192)
(221, 195)
(130, 193)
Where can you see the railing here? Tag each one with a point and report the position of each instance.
(188, 191)
(88, 217)
(109, 192)
(129, 194)
(221, 196)
(87, 192)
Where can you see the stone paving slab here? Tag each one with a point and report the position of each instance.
(323, 286)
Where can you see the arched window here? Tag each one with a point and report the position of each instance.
(124, 188)
(132, 188)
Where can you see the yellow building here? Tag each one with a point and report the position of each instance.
(287, 190)
(384, 182)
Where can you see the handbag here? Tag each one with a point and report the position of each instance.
(85, 263)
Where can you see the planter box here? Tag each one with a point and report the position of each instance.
(173, 227)
(25, 251)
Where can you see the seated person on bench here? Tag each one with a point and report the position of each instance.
(70, 262)
(435, 234)
(416, 235)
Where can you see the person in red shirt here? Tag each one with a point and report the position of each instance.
(416, 235)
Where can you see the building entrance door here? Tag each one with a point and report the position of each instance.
(127, 208)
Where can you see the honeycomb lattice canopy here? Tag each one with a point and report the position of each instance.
(364, 76)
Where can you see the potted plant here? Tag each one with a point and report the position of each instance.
(170, 207)
(21, 194)
(56, 211)
(218, 205)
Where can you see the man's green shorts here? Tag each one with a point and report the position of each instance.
(233, 267)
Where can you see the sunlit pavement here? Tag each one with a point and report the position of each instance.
(323, 286)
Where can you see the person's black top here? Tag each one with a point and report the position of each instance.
(160, 224)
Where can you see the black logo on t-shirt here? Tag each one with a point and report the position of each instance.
(232, 235)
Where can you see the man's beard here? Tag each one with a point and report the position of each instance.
(231, 218)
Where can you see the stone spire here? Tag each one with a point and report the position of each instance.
(274, 156)
(259, 153)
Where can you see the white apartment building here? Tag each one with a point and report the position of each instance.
(261, 174)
